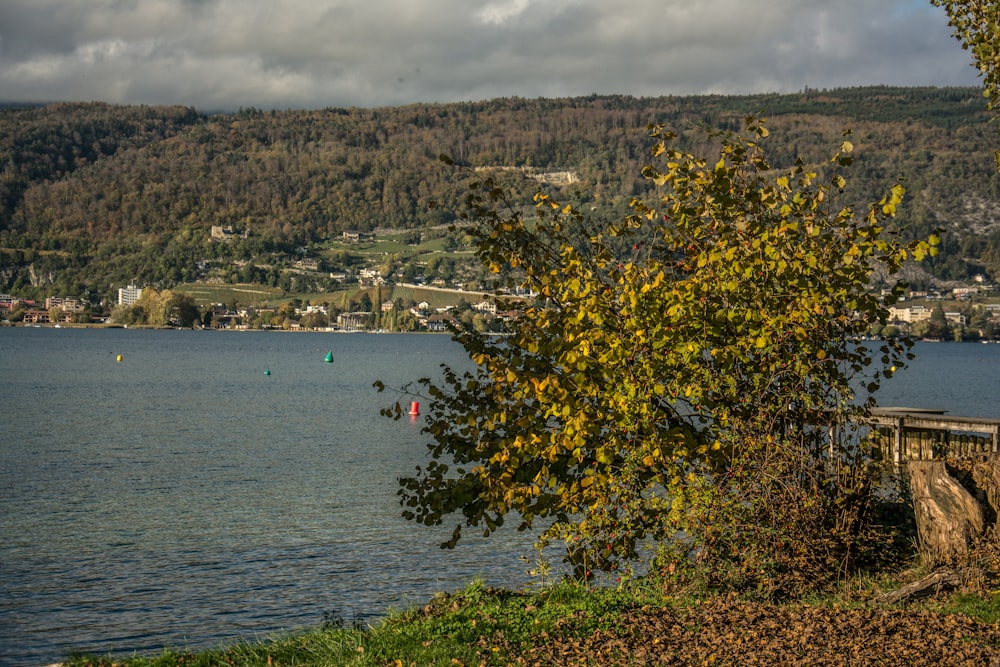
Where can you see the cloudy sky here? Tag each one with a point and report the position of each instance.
(281, 54)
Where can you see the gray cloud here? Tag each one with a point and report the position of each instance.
(223, 54)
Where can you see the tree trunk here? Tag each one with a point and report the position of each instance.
(929, 585)
(949, 517)
(956, 506)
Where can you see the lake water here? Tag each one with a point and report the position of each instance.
(961, 378)
(183, 498)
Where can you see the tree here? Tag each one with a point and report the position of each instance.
(680, 379)
(376, 307)
(937, 326)
(977, 24)
(989, 330)
(314, 320)
(129, 314)
(182, 310)
(159, 309)
(365, 304)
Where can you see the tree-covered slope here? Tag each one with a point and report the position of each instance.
(94, 194)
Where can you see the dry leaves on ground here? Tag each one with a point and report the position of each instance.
(726, 631)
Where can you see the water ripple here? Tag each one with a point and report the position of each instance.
(183, 499)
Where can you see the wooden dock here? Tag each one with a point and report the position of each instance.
(912, 434)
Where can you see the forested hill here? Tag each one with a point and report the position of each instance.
(94, 195)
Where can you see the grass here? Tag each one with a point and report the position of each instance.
(206, 293)
(451, 630)
(475, 626)
(985, 609)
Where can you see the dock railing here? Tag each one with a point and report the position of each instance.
(909, 434)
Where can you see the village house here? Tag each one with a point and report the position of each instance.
(308, 264)
(485, 306)
(437, 322)
(910, 314)
(955, 318)
(9, 303)
(354, 236)
(220, 233)
(370, 278)
(65, 304)
(37, 316)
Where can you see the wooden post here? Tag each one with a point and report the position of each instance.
(897, 442)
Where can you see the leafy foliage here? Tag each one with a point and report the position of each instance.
(688, 377)
(977, 24)
(159, 309)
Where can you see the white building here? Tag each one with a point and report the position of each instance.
(911, 314)
(129, 295)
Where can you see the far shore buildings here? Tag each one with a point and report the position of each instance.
(65, 304)
(354, 236)
(8, 302)
(57, 309)
(914, 314)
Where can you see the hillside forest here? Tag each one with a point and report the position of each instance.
(95, 196)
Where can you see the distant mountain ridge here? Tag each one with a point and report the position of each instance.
(94, 195)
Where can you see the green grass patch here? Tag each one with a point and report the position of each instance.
(477, 625)
(982, 608)
(333, 298)
(392, 247)
(209, 293)
(435, 245)
(404, 293)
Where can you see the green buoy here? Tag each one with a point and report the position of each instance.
(267, 371)
(329, 357)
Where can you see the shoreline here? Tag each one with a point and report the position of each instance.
(147, 327)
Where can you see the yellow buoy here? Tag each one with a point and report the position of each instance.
(119, 358)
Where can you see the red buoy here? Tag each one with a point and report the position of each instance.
(414, 409)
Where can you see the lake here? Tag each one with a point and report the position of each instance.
(216, 486)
